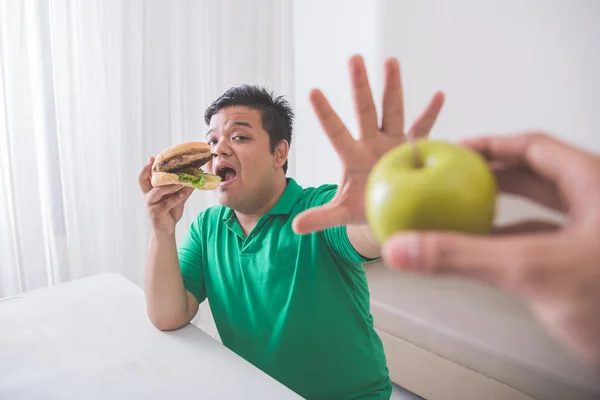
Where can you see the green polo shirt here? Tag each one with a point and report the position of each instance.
(295, 306)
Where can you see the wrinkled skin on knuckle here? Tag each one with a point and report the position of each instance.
(434, 253)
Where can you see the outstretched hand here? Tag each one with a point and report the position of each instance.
(374, 140)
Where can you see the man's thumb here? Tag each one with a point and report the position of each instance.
(480, 257)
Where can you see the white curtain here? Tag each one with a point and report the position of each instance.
(88, 91)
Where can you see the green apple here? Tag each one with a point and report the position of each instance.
(452, 190)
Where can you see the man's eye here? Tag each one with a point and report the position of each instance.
(240, 138)
(211, 142)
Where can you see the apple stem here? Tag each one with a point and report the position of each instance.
(417, 161)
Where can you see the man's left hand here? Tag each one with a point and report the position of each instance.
(374, 140)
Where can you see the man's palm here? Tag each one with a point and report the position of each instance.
(359, 156)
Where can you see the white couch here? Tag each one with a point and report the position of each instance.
(458, 339)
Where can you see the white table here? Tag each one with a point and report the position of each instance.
(91, 339)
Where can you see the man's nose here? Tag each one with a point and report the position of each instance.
(222, 147)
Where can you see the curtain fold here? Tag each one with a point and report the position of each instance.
(88, 91)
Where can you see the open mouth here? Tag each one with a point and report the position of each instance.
(227, 174)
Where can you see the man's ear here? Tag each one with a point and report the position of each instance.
(281, 153)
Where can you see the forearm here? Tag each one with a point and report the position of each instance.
(166, 297)
(363, 241)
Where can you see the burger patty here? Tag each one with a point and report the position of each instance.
(189, 171)
(191, 160)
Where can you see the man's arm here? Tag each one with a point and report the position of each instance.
(363, 241)
(169, 305)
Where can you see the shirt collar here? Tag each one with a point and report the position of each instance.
(284, 206)
(290, 196)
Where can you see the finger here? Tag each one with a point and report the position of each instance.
(564, 165)
(545, 155)
(157, 193)
(363, 97)
(334, 128)
(393, 102)
(523, 227)
(177, 211)
(510, 262)
(424, 123)
(145, 175)
(516, 180)
(187, 192)
(169, 202)
(320, 218)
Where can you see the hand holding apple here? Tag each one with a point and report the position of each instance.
(554, 267)
(453, 189)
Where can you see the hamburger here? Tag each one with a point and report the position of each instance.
(180, 165)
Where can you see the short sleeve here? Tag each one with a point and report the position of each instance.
(336, 237)
(190, 254)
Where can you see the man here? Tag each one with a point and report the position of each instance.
(556, 269)
(295, 305)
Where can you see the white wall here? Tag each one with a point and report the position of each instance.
(326, 34)
(505, 66)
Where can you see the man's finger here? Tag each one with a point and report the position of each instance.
(145, 175)
(320, 218)
(188, 192)
(334, 128)
(166, 204)
(184, 193)
(157, 193)
(424, 123)
(519, 181)
(393, 102)
(505, 261)
(544, 155)
(363, 97)
(177, 211)
(524, 227)
(173, 200)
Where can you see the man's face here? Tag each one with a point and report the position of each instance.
(242, 158)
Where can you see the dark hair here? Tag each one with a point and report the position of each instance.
(276, 113)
